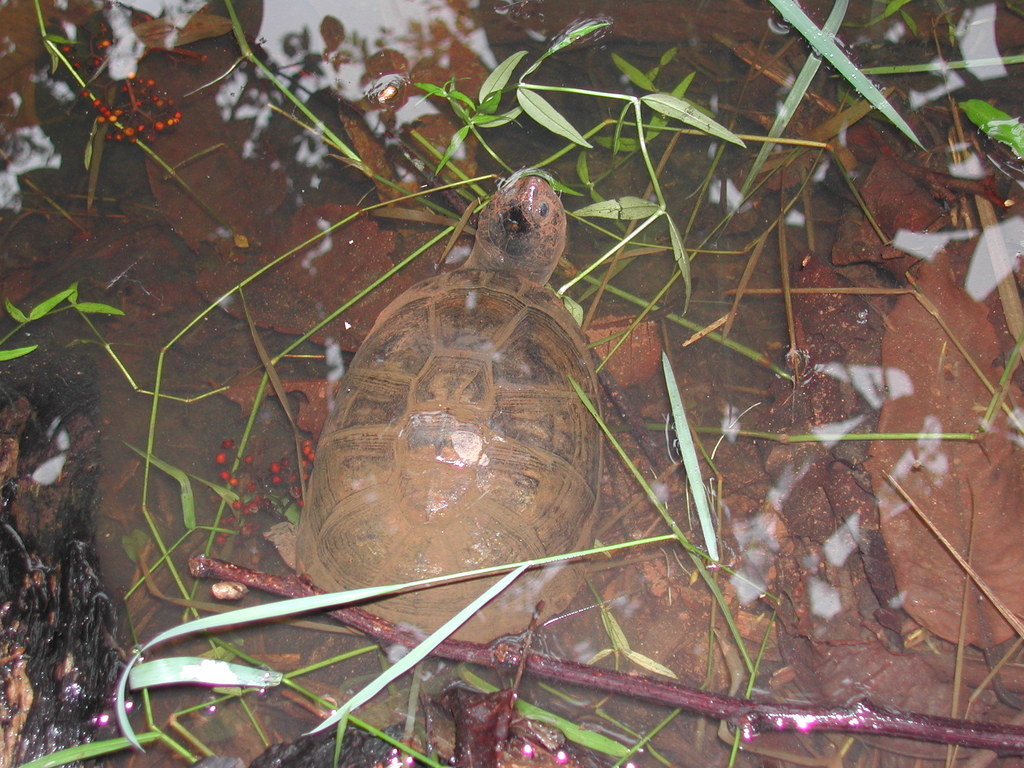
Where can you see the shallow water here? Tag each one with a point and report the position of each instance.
(866, 602)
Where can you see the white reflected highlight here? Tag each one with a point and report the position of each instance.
(998, 251)
(977, 35)
(873, 382)
(841, 544)
(758, 546)
(925, 245)
(824, 598)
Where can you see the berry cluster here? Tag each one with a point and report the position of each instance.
(274, 491)
(149, 111)
(135, 109)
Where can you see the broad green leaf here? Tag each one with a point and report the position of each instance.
(826, 46)
(43, 308)
(890, 8)
(670, 106)
(498, 79)
(96, 308)
(16, 314)
(625, 208)
(11, 354)
(583, 169)
(638, 78)
(537, 107)
(996, 124)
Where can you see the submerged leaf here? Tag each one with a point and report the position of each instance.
(626, 208)
(996, 124)
(826, 46)
(541, 110)
(11, 354)
(16, 314)
(498, 79)
(635, 76)
(670, 106)
(43, 308)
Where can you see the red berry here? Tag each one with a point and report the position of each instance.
(275, 467)
(233, 482)
(227, 443)
(225, 475)
(221, 458)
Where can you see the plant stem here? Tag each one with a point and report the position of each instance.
(750, 717)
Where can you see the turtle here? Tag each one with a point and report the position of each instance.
(456, 440)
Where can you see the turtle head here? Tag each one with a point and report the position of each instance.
(522, 230)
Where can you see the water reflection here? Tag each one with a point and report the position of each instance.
(798, 484)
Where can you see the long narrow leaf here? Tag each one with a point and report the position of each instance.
(825, 45)
(11, 354)
(43, 308)
(670, 106)
(499, 78)
(195, 670)
(417, 654)
(690, 463)
(540, 109)
(16, 314)
(626, 208)
(188, 498)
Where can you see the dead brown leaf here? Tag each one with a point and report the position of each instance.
(971, 491)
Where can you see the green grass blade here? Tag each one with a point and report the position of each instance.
(826, 46)
(87, 751)
(188, 497)
(420, 652)
(690, 463)
(195, 670)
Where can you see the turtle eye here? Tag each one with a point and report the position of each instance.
(544, 209)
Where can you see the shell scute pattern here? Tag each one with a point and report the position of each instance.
(456, 441)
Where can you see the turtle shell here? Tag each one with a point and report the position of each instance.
(457, 442)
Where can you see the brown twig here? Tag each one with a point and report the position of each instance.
(752, 718)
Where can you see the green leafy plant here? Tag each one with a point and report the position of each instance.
(996, 124)
(59, 302)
